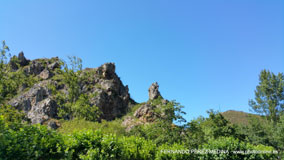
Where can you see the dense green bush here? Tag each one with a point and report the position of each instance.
(38, 142)
(174, 152)
(29, 142)
(227, 148)
(137, 148)
(90, 145)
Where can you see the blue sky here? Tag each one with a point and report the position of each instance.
(205, 54)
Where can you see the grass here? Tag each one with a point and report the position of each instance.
(107, 127)
(239, 117)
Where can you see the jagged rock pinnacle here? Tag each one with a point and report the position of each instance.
(22, 59)
(107, 70)
(154, 91)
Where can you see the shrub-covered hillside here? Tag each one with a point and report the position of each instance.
(52, 109)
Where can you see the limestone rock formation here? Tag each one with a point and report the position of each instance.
(102, 85)
(45, 74)
(36, 103)
(129, 123)
(54, 65)
(19, 61)
(36, 66)
(154, 91)
(146, 113)
(111, 96)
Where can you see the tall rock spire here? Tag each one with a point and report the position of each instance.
(154, 91)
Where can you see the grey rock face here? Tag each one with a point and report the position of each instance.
(130, 123)
(110, 95)
(21, 61)
(39, 65)
(107, 70)
(104, 87)
(35, 68)
(154, 91)
(54, 65)
(42, 111)
(36, 103)
(45, 74)
(143, 110)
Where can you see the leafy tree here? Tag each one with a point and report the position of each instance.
(76, 104)
(269, 95)
(3, 70)
(217, 126)
(168, 112)
(195, 135)
(83, 109)
(72, 78)
(200, 130)
(279, 133)
(3, 57)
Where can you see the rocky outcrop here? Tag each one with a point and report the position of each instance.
(107, 70)
(154, 91)
(104, 87)
(37, 66)
(110, 95)
(54, 65)
(45, 74)
(19, 61)
(22, 59)
(129, 123)
(36, 103)
(147, 112)
(101, 85)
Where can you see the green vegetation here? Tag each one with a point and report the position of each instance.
(38, 142)
(107, 127)
(239, 118)
(72, 78)
(269, 96)
(10, 82)
(75, 104)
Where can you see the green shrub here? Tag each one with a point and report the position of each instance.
(174, 152)
(79, 143)
(30, 142)
(82, 109)
(228, 148)
(137, 148)
(108, 147)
